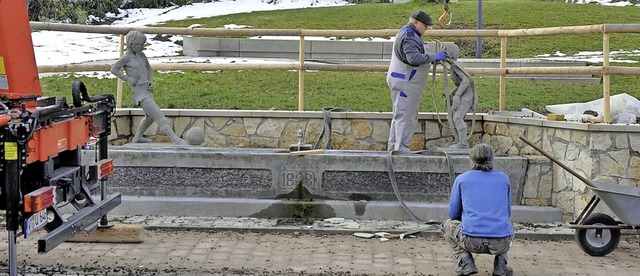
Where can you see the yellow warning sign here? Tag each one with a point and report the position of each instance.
(11, 151)
(2, 71)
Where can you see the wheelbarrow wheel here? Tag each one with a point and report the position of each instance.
(598, 242)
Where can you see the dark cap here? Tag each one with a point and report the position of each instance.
(422, 17)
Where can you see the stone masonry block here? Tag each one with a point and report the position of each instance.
(271, 128)
(489, 128)
(123, 125)
(621, 157)
(217, 122)
(634, 168)
(214, 138)
(342, 142)
(585, 163)
(502, 129)
(532, 181)
(534, 134)
(545, 187)
(313, 131)
(361, 129)
(432, 130)
(235, 130)
(263, 142)
(341, 126)
(634, 140)
(251, 125)
(239, 142)
(181, 124)
(563, 134)
(559, 149)
(601, 141)
(380, 132)
(622, 140)
(580, 137)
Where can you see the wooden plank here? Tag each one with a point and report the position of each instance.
(305, 152)
(502, 100)
(606, 80)
(119, 233)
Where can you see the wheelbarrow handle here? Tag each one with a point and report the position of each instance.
(582, 178)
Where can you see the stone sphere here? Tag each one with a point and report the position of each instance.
(195, 136)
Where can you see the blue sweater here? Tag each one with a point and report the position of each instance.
(482, 200)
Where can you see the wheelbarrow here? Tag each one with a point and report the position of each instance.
(598, 234)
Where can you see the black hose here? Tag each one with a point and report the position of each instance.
(326, 114)
(50, 110)
(394, 185)
(79, 93)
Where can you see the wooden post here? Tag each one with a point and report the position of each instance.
(120, 84)
(606, 79)
(301, 76)
(503, 76)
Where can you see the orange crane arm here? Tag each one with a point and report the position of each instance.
(18, 69)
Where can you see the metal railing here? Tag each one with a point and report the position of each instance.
(605, 70)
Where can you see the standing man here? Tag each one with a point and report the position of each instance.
(407, 78)
(479, 212)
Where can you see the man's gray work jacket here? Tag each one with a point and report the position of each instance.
(409, 67)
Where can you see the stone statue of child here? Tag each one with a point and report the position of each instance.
(460, 100)
(140, 76)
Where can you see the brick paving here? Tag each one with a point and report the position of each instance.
(206, 251)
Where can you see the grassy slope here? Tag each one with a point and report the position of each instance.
(363, 91)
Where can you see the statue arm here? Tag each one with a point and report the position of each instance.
(464, 85)
(149, 70)
(117, 67)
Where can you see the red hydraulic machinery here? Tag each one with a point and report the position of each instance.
(41, 147)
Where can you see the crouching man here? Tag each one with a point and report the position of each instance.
(479, 212)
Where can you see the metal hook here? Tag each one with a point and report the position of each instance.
(443, 17)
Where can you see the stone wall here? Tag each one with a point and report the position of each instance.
(278, 129)
(608, 153)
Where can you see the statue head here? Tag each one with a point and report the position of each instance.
(135, 40)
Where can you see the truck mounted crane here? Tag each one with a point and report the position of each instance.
(44, 183)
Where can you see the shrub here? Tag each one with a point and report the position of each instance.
(71, 11)
(91, 11)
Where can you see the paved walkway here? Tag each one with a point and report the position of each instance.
(323, 248)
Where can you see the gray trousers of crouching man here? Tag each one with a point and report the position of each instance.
(463, 244)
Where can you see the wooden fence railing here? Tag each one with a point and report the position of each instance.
(605, 70)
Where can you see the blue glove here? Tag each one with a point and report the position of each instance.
(441, 56)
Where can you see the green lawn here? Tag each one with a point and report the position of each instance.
(367, 91)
